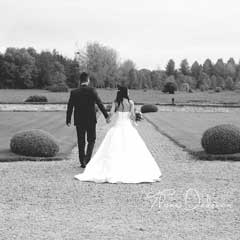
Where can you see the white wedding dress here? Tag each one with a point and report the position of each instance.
(122, 156)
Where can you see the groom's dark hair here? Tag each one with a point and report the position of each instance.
(83, 77)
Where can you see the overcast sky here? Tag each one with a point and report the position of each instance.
(149, 32)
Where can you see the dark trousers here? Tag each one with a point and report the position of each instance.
(82, 131)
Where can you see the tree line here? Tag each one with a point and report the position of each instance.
(25, 68)
(22, 68)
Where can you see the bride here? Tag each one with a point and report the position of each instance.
(122, 156)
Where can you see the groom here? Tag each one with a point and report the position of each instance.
(83, 100)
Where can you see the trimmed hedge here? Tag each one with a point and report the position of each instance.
(149, 108)
(36, 98)
(221, 139)
(170, 87)
(34, 143)
(218, 89)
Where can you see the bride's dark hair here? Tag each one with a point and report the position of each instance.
(121, 94)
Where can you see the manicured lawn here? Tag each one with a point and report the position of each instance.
(186, 128)
(139, 96)
(52, 122)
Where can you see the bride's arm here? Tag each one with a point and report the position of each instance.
(133, 117)
(112, 109)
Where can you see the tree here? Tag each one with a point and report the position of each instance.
(8, 74)
(57, 78)
(57, 74)
(231, 60)
(180, 79)
(191, 81)
(45, 66)
(73, 73)
(231, 68)
(133, 79)
(208, 67)
(219, 68)
(196, 70)
(170, 68)
(184, 67)
(158, 77)
(123, 71)
(229, 84)
(145, 78)
(213, 84)
(203, 82)
(2, 71)
(26, 68)
(220, 82)
(32, 52)
(170, 85)
(101, 62)
(21, 65)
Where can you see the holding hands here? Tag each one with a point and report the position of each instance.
(108, 120)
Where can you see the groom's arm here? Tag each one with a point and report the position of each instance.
(69, 109)
(99, 103)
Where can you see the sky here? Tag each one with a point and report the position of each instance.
(149, 32)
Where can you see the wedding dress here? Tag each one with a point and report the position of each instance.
(122, 156)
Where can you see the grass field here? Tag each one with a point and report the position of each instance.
(139, 96)
(52, 122)
(186, 128)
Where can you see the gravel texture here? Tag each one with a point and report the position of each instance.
(45, 107)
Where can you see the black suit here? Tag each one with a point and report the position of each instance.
(83, 101)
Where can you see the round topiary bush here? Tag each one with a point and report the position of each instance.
(149, 108)
(35, 143)
(218, 89)
(170, 87)
(36, 98)
(222, 139)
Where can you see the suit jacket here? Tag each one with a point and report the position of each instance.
(83, 101)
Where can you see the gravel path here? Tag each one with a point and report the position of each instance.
(41, 200)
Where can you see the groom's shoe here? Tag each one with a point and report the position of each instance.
(83, 166)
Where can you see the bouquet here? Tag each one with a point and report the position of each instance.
(138, 116)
